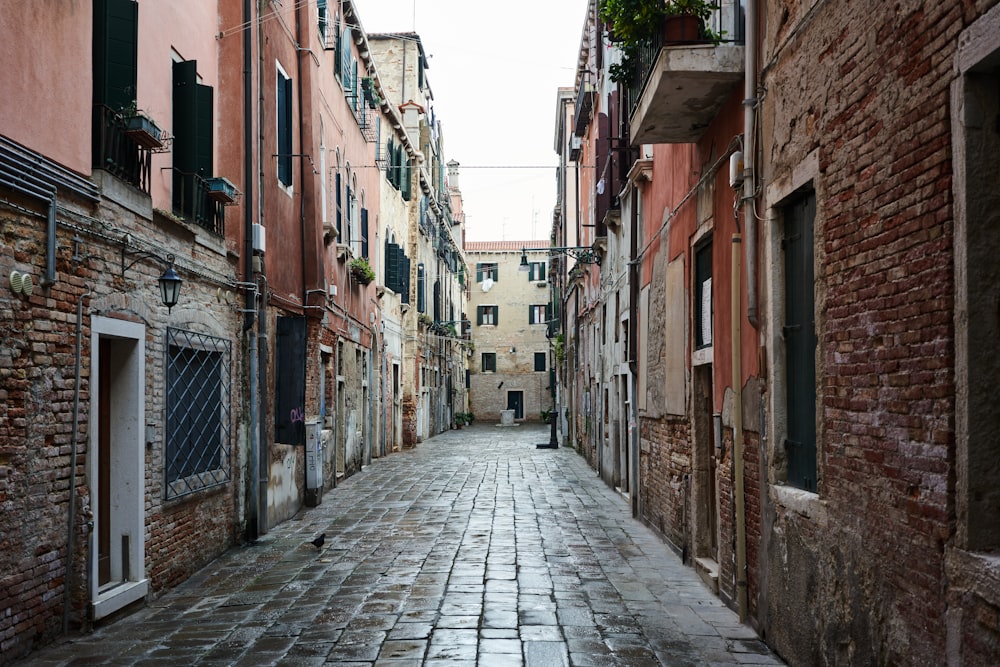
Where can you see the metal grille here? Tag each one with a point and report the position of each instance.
(198, 446)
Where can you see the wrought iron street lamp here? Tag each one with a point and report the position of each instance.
(583, 254)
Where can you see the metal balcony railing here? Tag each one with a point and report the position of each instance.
(191, 201)
(115, 152)
(727, 22)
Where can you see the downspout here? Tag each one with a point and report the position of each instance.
(737, 330)
(633, 347)
(262, 345)
(749, 151)
(299, 52)
(750, 221)
(70, 542)
(253, 521)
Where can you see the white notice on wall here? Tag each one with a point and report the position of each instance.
(706, 312)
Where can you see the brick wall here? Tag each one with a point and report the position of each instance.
(664, 464)
(37, 391)
(868, 88)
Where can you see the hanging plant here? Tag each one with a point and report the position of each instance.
(361, 270)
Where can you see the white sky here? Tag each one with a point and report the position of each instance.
(494, 69)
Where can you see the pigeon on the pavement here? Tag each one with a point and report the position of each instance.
(318, 542)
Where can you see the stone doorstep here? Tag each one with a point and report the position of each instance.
(708, 570)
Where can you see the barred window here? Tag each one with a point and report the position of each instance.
(198, 448)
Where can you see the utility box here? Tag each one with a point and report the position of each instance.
(314, 463)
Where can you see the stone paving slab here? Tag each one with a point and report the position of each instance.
(474, 549)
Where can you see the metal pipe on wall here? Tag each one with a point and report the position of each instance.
(740, 504)
(749, 149)
(74, 441)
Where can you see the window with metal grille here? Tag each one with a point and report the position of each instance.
(198, 449)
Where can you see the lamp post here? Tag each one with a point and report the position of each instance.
(583, 255)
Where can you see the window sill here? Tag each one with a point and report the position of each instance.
(804, 503)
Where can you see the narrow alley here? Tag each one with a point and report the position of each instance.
(475, 548)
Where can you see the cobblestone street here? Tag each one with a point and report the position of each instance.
(475, 548)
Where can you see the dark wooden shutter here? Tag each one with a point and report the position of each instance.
(800, 342)
(185, 144)
(204, 130)
(284, 93)
(437, 300)
(479, 272)
(421, 296)
(290, 381)
(340, 210)
(115, 52)
(364, 233)
(531, 315)
(496, 315)
(391, 266)
(479, 315)
(404, 263)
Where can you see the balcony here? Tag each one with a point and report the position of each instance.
(679, 87)
(117, 152)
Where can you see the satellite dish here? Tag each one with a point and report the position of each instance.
(487, 284)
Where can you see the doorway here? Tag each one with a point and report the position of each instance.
(705, 522)
(515, 402)
(116, 472)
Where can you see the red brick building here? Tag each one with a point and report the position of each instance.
(812, 317)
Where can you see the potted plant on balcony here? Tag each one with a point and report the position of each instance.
(361, 270)
(634, 23)
(143, 130)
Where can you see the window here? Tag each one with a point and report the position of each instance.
(487, 315)
(421, 289)
(489, 362)
(536, 271)
(321, 11)
(540, 361)
(703, 295)
(197, 452)
(284, 116)
(800, 342)
(486, 270)
(397, 270)
(538, 314)
(977, 364)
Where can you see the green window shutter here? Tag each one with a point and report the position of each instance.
(284, 98)
(391, 266)
(405, 264)
(185, 145)
(115, 52)
(421, 297)
(531, 315)
(479, 273)
(479, 315)
(496, 315)
(800, 342)
(364, 233)
(204, 139)
(340, 211)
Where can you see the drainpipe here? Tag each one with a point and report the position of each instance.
(749, 151)
(633, 346)
(70, 542)
(737, 330)
(252, 529)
